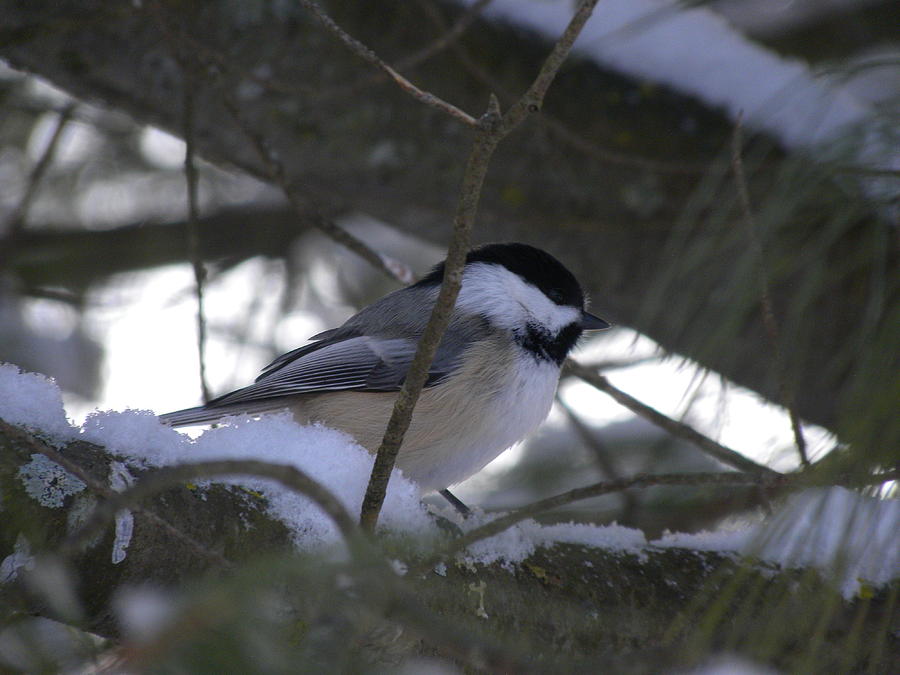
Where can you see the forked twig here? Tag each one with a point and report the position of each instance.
(367, 54)
(492, 128)
(506, 521)
(766, 482)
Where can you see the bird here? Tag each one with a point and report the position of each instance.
(492, 382)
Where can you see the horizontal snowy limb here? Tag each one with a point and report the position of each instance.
(583, 589)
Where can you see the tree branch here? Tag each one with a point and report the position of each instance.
(492, 128)
(367, 54)
(98, 488)
(391, 267)
(162, 479)
(16, 221)
(709, 446)
(193, 226)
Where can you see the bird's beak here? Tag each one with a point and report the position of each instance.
(591, 322)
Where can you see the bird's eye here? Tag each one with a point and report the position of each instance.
(555, 295)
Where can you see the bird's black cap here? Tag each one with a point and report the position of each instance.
(535, 266)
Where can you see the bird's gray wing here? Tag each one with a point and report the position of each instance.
(360, 363)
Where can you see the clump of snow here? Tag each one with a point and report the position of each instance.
(137, 435)
(328, 456)
(851, 537)
(516, 543)
(33, 401)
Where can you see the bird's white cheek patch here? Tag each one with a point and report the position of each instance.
(509, 301)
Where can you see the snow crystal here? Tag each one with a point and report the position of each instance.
(136, 435)
(34, 401)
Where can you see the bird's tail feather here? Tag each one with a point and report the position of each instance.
(205, 415)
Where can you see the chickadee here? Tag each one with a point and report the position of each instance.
(492, 382)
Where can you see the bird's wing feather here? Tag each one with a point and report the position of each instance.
(357, 363)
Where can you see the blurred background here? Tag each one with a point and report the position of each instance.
(97, 288)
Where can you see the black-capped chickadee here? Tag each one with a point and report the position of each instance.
(492, 382)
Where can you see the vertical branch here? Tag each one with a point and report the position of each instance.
(768, 313)
(486, 141)
(193, 229)
(16, 221)
(492, 128)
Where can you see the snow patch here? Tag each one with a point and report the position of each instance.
(33, 401)
(516, 543)
(330, 457)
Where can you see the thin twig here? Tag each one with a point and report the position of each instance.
(308, 213)
(368, 55)
(492, 128)
(587, 147)
(193, 226)
(532, 100)
(186, 49)
(557, 127)
(709, 446)
(16, 220)
(102, 490)
(768, 313)
(448, 38)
